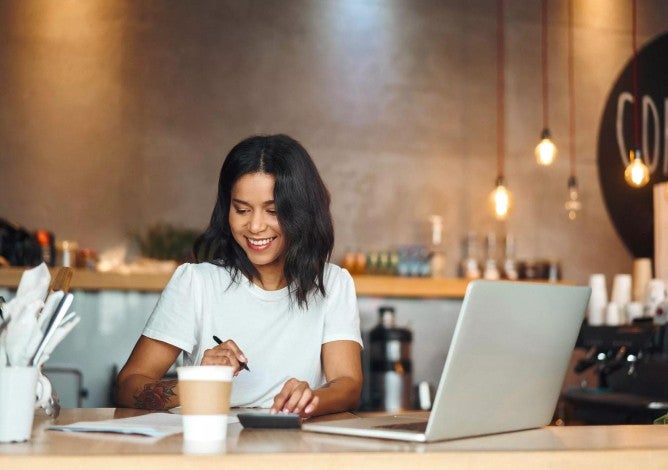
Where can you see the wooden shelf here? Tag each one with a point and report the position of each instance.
(410, 287)
(366, 285)
(85, 279)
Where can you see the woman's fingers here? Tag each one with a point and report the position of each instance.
(295, 397)
(231, 345)
(226, 353)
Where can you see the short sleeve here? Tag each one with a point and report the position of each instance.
(342, 320)
(174, 319)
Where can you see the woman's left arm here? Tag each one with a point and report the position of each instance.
(342, 366)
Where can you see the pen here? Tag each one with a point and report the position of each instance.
(243, 364)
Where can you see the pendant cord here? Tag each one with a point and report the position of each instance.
(571, 92)
(544, 66)
(636, 97)
(500, 69)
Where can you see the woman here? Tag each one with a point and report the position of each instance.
(265, 285)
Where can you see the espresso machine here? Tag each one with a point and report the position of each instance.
(631, 366)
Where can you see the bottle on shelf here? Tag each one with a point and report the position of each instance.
(46, 243)
(510, 270)
(491, 269)
(469, 267)
(437, 252)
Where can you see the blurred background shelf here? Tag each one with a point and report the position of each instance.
(86, 279)
(366, 285)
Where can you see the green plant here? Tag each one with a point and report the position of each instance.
(165, 241)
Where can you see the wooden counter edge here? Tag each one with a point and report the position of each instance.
(562, 459)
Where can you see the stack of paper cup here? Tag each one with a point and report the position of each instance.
(642, 273)
(598, 300)
(614, 315)
(621, 290)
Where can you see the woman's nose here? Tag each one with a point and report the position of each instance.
(257, 222)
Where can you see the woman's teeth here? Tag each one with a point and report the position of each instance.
(262, 242)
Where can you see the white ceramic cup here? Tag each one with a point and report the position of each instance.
(204, 393)
(18, 399)
(654, 295)
(634, 310)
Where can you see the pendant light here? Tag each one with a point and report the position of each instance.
(636, 173)
(500, 197)
(545, 151)
(573, 204)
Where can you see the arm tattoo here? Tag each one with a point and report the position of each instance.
(156, 395)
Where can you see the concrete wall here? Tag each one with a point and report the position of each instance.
(117, 114)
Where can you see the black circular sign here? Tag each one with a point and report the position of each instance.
(631, 209)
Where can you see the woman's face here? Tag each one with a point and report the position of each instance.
(254, 222)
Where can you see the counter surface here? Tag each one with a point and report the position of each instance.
(628, 446)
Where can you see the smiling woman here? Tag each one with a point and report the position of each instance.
(265, 283)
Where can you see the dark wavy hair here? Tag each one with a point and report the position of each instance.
(302, 206)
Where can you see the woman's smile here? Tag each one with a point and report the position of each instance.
(259, 244)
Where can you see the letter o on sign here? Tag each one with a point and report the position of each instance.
(631, 209)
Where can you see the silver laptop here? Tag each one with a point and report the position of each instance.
(504, 370)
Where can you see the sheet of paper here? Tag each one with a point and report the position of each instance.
(151, 424)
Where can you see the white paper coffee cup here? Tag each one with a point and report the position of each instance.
(204, 393)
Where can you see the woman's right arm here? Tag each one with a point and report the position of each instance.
(140, 382)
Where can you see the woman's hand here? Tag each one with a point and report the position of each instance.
(296, 397)
(226, 353)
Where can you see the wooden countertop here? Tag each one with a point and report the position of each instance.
(366, 285)
(577, 447)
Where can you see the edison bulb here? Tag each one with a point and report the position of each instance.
(636, 173)
(546, 151)
(501, 200)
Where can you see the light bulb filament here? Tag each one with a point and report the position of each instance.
(501, 201)
(636, 173)
(546, 150)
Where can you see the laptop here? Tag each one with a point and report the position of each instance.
(510, 349)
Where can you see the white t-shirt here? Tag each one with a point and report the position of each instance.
(279, 339)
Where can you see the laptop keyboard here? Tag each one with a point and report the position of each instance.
(415, 427)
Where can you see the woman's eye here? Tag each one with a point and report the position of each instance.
(271, 211)
(240, 211)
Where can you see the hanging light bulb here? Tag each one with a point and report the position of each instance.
(546, 151)
(573, 204)
(500, 199)
(636, 173)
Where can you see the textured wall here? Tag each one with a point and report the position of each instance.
(116, 114)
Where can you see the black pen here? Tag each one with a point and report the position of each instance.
(243, 364)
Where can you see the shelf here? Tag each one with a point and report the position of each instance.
(85, 279)
(410, 287)
(366, 285)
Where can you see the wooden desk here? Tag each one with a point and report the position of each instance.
(574, 447)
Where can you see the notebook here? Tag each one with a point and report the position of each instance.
(504, 370)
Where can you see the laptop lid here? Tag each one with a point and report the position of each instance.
(507, 360)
